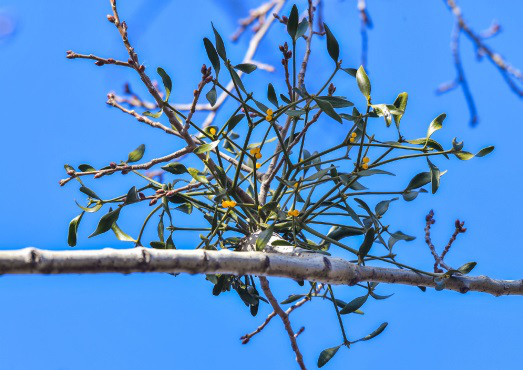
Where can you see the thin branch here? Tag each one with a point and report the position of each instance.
(98, 61)
(285, 318)
(310, 267)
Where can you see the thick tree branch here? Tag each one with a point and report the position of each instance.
(302, 266)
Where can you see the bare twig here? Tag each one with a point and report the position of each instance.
(285, 318)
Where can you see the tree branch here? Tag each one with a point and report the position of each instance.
(302, 266)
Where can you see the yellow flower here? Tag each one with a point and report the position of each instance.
(257, 155)
(253, 151)
(269, 112)
(293, 213)
(353, 135)
(268, 117)
(258, 165)
(228, 204)
(212, 131)
(364, 166)
(366, 159)
(352, 139)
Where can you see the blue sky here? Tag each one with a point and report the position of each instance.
(54, 112)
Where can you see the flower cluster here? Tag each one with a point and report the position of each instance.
(269, 112)
(256, 153)
(293, 213)
(228, 204)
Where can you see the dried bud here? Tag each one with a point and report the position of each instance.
(99, 63)
(111, 60)
(160, 191)
(70, 172)
(125, 172)
(111, 18)
(281, 48)
(98, 175)
(208, 79)
(204, 69)
(284, 19)
(332, 89)
(130, 61)
(195, 92)
(112, 164)
(142, 68)
(153, 201)
(124, 26)
(141, 195)
(288, 54)
(70, 54)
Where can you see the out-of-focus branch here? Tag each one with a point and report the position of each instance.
(365, 25)
(512, 75)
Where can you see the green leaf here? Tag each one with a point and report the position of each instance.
(136, 154)
(86, 168)
(337, 101)
(350, 71)
(211, 96)
(327, 108)
(175, 168)
(422, 178)
(106, 222)
(326, 355)
(363, 82)
(435, 175)
(366, 245)
(157, 245)
(169, 244)
(354, 305)
(436, 124)
(237, 80)
(246, 67)
(374, 172)
(465, 156)
(292, 298)
(401, 104)
(153, 115)
(197, 176)
(167, 82)
(120, 234)
(271, 95)
(264, 237)
(206, 147)
(383, 206)
(467, 267)
(302, 28)
(431, 143)
(89, 192)
(455, 145)
(375, 333)
(292, 23)
(220, 47)
(73, 229)
(94, 209)
(132, 196)
(332, 44)
(212, 55)
(233, 121)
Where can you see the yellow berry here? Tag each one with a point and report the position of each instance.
(268, 117)
(225, 203)
(258, 165)
(352, 139)
(295, 185)
(232, 204)
(212, 131)
(366, 160)
(353, 134)
(258, 155)
(364, 166)
(253, 151)
(270, 112)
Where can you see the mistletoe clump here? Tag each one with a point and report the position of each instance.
(263, 182)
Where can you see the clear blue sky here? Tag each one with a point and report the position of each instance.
(53, 112)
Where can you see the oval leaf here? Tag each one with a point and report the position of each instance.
(332, 44)
(363, 82)
(136, 154)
